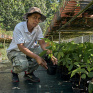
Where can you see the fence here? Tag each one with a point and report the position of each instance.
(80, 39)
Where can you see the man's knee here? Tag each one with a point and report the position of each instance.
(20, 63)
(18, 69)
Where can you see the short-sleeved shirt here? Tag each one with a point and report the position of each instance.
(22, 35)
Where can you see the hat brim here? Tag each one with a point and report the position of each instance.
(42, 16)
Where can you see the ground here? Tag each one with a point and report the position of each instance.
(47, 84)
(5, 65)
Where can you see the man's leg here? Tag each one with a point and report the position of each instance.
(33, 65)
(19, 62)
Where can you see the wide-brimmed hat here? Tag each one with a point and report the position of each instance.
(34, 10)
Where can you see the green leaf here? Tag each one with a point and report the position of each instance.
(91, 69)
(83, 76)
(55, 54)
(92, 55)
(90, 74)
(42, 53)
(60, 61)
(78, 70)
(77, 64)
(70, 67)
(90, 87)
(61, 54)
(57, 48)
(74, 72)
(64, 63)
(50, 55)
(88, 61)
(83, 71)
(49, 47)
(88, 68)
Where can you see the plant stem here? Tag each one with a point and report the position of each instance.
(79, 78)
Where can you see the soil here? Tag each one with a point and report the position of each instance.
(5, 65)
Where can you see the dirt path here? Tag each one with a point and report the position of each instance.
(5, 65)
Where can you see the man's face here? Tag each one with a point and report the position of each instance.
(34, 19)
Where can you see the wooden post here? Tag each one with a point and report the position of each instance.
(4, 48)
(81, 39)
(52, 37)
(59, 37)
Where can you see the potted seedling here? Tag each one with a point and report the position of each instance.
(75, 60)
(51, 67)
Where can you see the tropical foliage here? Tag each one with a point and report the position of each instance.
(77, 58)
(12, 11)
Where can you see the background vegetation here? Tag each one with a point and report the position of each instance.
(12, 12)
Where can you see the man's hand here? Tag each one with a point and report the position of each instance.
(43, 46)
(41, 62)
(54, 60)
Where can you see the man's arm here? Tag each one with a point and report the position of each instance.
(29, 53)
(43, 46)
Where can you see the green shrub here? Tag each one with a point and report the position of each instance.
(77, 56)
